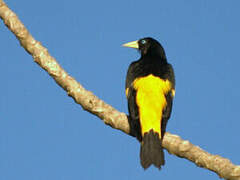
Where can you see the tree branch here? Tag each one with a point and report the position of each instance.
(117, 120)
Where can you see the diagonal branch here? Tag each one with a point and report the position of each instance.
(117, 120)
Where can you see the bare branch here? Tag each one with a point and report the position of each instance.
(89, 102)
(184, 149)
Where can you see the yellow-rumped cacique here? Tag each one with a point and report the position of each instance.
(150, 88)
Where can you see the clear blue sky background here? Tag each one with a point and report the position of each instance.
(45, 135)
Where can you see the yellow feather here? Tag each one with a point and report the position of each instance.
(151, 101)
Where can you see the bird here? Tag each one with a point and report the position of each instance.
(150, 89)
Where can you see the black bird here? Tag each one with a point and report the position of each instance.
(150, 88)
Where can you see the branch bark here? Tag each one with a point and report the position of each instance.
(117, 120)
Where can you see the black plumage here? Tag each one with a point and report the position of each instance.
(150, 88)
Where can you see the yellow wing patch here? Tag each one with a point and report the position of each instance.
(173, 92)
(151, 101)
(127, 91)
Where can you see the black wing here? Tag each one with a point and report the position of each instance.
(132, 106)
(169, 97)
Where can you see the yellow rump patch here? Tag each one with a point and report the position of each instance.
(151, 101)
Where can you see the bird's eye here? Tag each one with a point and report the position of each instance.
(143, 41)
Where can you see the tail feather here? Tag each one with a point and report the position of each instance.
(151, 150)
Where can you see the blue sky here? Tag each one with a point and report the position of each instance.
(45, 135)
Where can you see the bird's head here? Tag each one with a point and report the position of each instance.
(147, 46)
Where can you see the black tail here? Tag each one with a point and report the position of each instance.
(151, 150)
